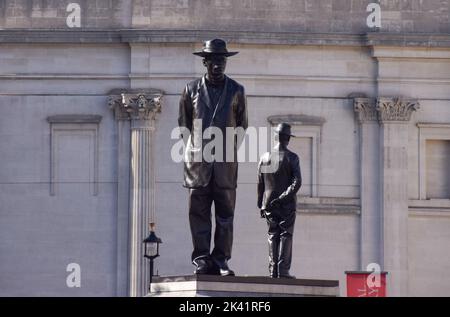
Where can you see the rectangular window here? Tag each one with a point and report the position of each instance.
(434, 161)
(306, 145)
(74, 152)
(303, 147)
(438, 169)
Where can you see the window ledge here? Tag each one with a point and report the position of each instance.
(329, 205)
(429, 203)
(429, 208)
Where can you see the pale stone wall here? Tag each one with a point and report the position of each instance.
(293, 16)
(41, 234)
(53, 13)
(428, 238)
(412, 16)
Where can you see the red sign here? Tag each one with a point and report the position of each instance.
(366, 284)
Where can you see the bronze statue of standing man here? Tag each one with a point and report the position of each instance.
(277, 199)
(213, 100)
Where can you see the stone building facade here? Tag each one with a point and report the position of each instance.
(87, 115)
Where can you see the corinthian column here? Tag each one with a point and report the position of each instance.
(140, 109)
(370, 219)
(394, 115)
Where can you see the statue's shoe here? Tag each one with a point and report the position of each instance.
(227, 272)
(201, 270)
(221, 268)
(286, 275)
(201, 267)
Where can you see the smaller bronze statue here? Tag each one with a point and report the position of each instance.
(277, 200)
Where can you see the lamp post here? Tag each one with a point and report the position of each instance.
(151, 249)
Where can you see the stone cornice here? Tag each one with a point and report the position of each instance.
(391, 109)
(404, 39)
(55, 36)
(238, 37)
(241, 37)
(135, 104)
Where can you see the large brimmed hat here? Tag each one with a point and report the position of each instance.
(284, 128)
(216, 46)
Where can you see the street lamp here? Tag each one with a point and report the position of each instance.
(151, 248)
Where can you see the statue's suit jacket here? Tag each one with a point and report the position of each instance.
(231, 111)
(284, 183)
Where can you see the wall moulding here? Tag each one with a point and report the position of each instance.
(239, 37)
(329, 206)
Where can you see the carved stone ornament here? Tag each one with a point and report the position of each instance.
(365, 109)
(396, 109)
(135, 105)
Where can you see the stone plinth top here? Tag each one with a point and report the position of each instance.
(246, 279)
(240, 286)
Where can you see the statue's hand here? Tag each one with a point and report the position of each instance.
(275, 203)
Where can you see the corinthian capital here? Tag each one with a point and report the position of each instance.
(135, 104)
(365, 109)
(396, 109)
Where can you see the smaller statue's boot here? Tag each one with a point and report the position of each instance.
(285, 257)
(221, 268)
(274, 241)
